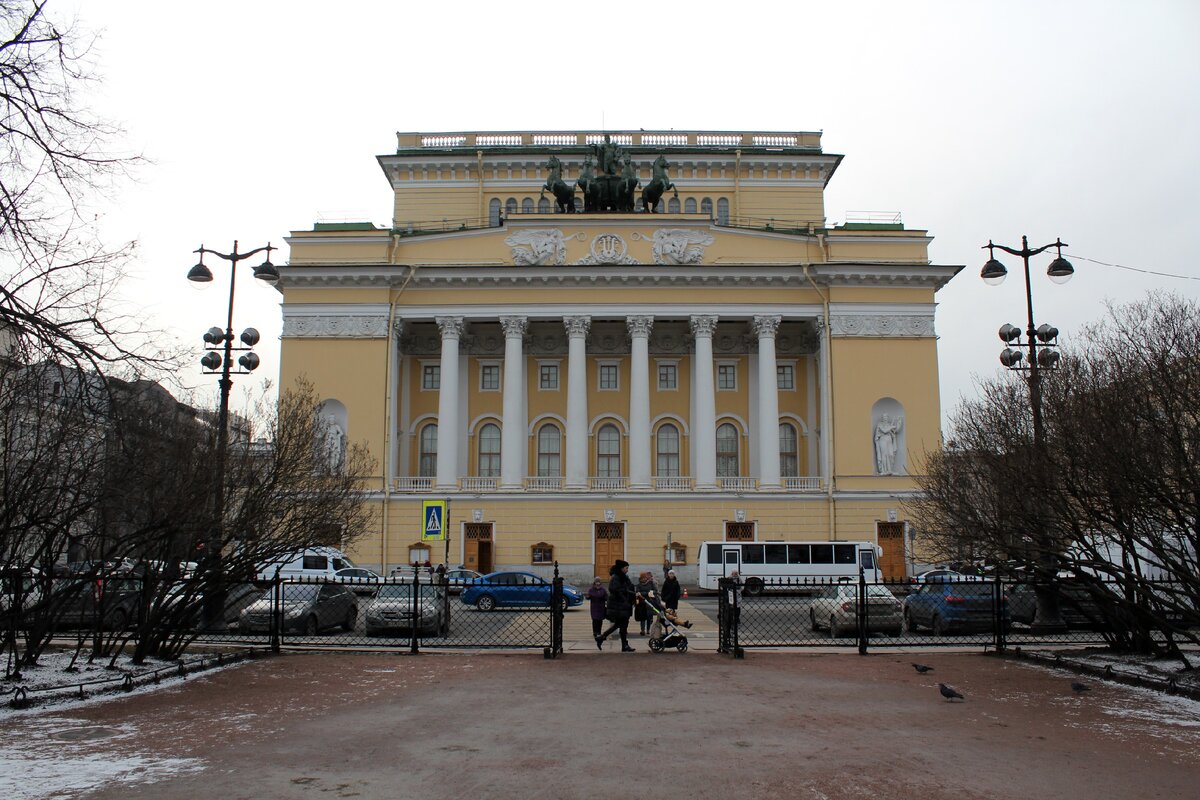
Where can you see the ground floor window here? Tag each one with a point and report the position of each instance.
(542, 553)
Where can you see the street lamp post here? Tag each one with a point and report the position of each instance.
(1041, 342)
(219, 360)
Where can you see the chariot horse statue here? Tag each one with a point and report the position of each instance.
(659, 183)
(586, 182)
(564, 193)
(629, 183)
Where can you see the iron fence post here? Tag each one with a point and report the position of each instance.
(998, 614)
(276, 627)
(861, 616)
(556, 616)
(415, 628)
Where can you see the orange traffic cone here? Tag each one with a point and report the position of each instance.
(685, 594)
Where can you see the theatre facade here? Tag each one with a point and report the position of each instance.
(620, 345)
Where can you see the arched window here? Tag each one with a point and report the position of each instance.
(661, 207)
(494, 212)
(510, 206)
(527, 205)
(706, 206)
(689, 206)
(723, 211)
(549, 444)
(427, 465)
(544, 205)
(789, 459)
(673, 206)
(489, 451)
(667, 452)
(608, 452)
(727, 451)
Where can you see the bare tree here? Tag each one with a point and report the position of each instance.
(1117, 492)
(56, 277)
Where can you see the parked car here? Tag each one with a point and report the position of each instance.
(112, 602)
(942, 574)
(835, 607)
(306, 608)
(953, 607)
(392, 609)
(25, 586)
(459, 579)
(315, 562)
(359, 579)
(191, 615)
(1075, 604)
(505, 589)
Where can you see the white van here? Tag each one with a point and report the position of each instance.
(315, 562)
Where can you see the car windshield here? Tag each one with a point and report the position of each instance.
(403, 591)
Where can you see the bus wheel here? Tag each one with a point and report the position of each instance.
(754, 587)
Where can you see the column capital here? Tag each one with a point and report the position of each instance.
(577, 326)
(766, 326)
(639, 326)
(704, 325)
(451, 327)
(514, 327)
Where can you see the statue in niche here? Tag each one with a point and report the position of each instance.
(887, 440)
(333, 448)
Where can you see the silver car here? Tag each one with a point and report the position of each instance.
(306, 608)
(836, 607)
(392, 609)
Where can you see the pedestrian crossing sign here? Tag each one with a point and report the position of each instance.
(433, 520)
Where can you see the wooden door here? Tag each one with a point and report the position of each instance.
(477, 553)
(610, 545)
(891, 539)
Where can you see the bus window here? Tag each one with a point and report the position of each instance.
(714, 554)
(777, 554)
(866, 559)
(797, 553)
(822, 554)
(843, 553)
(752, 554)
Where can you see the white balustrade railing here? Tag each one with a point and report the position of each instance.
(608, 484)
(805, 484)
(738, 484)
(413, 484)
(554, 483)
(676, 483)
(544, 483)
(474, 484)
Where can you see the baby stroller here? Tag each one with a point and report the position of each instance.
(664, 633)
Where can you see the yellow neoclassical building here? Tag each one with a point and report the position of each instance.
(692, 355)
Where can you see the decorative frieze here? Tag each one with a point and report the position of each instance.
(335, 326)
(538, 247)
(608, 248)
(882, 325)
(673, 246)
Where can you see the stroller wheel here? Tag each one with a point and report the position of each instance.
(656, 645)
(682, 646)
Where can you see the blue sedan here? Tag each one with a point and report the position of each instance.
(505, 589)
(946, 606)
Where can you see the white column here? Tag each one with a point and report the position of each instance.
(577, 409)
(765, 327)
(639, 402)
(448, 411)
(826, 402)
(704, 420)
(395, 431)
(512, 441)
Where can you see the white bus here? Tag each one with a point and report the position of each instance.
(762, 563)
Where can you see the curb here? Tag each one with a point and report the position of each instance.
(1167, 685)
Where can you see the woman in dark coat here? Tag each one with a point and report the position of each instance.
(598, 595)
(671, 591)
(620, 605)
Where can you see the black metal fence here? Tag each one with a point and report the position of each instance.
(987, 612)
(420, 609)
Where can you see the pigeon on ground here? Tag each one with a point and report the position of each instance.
(949, 692)
(921, 668)
(1079, 687)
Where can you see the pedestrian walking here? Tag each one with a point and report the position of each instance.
(620, 605)
(597, 595)
(671, 591)
(647, 595)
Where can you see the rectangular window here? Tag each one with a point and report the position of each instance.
(431, 377)
(843, 554)
(548, 376)
(727, 376)
(675, 554)
(714, 554)
(752, 554)
(668, 377)
(797, 553)
(785, 376)
(542, 553)
(489, 377)
(776, 553)
(822, 554)
(609, 378)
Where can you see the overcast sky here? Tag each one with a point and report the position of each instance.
(1078, 120)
